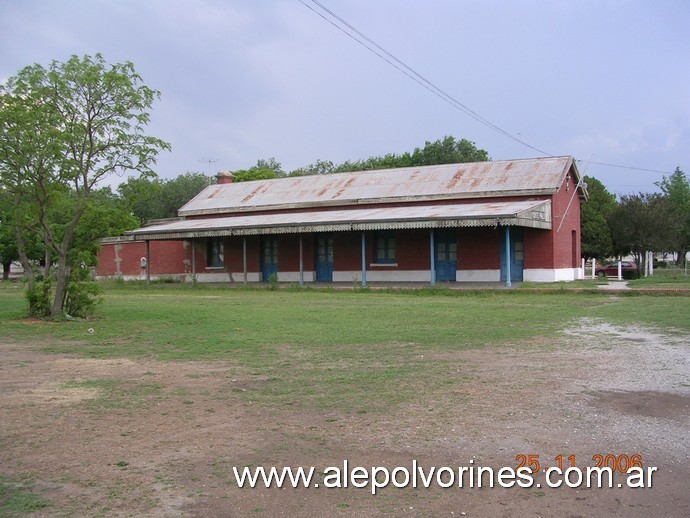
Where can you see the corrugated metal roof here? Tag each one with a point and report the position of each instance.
(427, 183)
(535, 214)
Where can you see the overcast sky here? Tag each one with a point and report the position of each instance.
(606, 81)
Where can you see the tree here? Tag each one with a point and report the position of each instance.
(142, 196)
(178, 191)
(64, 129)
(640, 223)
(269, 164)
(597, 237)
(319, 167)
(447, 150)
(8, 243)
(676, 190)
(106, 215)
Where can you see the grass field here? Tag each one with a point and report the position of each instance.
(358, 343)
(344, 353)
(182, 322)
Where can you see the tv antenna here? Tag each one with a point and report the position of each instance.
(209, 161)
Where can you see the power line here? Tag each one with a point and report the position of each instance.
(411, 73)
(627, 167)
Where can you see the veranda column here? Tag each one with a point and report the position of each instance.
(508, 282)
(148, 262)
(193, 261)
(244, 258)
(301, 262)
(431, 254)
(364, 260)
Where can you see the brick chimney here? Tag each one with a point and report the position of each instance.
(224, 177)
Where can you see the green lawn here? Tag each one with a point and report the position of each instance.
(663, 278)
(326, 348)
(181, 322)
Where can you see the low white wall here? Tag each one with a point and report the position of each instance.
(552, 275)
(292, 276)
(384, 276)
(478, 276)
(529, 275)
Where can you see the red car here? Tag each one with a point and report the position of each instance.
(628, 270)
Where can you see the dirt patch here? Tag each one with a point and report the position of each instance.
(138, 437)
(662, 405)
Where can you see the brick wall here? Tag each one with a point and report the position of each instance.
(124, 258)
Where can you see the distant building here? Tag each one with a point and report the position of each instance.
(501, 221)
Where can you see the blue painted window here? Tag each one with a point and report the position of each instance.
(384, 247)
(214, 252)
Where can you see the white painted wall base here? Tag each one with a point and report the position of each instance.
(294, 276)
(181, 277)
(552, 275)
(251, 277)
(384, 276)
(529, 275)
(478, 276)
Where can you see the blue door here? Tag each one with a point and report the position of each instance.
(269, 257)
(324, 258)
(517, 255)
(445, 254)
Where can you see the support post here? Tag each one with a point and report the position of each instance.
(193, 261)
(594, 268)
(301, 262)
(148, 262)
(620, 271)
(244, 258)
(431, 255)
(508, 273)
(364, 260)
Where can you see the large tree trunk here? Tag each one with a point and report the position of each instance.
(62, 275)
(60, 287)
(27, 265)
(6, 270)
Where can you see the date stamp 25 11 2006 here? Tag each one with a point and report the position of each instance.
(605, 466)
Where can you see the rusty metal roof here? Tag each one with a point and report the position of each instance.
(426, 183)
(534, 214)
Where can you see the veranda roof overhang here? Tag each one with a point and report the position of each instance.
(531, 214)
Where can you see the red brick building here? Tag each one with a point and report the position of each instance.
(450, 222)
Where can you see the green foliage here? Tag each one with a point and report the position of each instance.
(319, 167)
(640, 223)
(178, 191)
(597, 236)
(82, 299)
(142, 196)
(8, 241)
(676, 190)
(63, 129)
(248, 175)
(447, 150)
(268, 164)
(39, 295)
(273, 281)
(147, 197)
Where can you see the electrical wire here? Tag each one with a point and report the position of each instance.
(411, 73)
(373, 47)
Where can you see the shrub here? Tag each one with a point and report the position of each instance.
(40, 297)
(82, 298)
